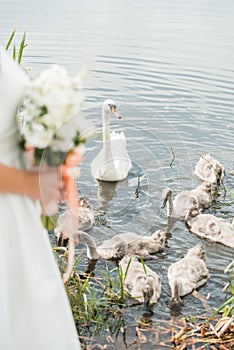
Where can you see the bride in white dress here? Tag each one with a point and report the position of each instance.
(34, 308)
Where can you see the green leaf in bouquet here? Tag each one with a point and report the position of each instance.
(77, 139)
(22, 144)
(43, 111)
(48, 156)
(49, 222)
(53, 158)
(38, 154)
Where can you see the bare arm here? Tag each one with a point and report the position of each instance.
(44, 185)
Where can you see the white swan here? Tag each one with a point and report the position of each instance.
(209, 169)
(211, 227)
(112, 163)
(130, 243)
(178, 207)
(187, 274)
(141, 282)
(123, 244)
(85, 222)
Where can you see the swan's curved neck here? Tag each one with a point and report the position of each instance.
(106, 135)
(170, 205)
(105, 125)
(91, 245)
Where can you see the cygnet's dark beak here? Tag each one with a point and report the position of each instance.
(146, 309)
(218, 176)
(164, 203)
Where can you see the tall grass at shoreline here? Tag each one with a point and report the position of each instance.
(99, 305)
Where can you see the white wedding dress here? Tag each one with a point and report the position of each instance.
(35, 313)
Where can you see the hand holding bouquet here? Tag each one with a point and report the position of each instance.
(52, 125)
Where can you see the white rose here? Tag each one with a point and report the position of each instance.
(37, 136)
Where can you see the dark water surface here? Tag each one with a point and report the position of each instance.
(168, 64)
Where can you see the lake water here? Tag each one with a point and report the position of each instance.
(168, 64)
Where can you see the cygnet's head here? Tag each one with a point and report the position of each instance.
(148, 290)
(219, 174)
(166, 194)
(109, 106)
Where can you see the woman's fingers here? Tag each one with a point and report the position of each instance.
(51, 185)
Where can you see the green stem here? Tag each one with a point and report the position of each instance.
(231, 300)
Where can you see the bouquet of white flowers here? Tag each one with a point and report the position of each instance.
(50, 116)
(52, 124)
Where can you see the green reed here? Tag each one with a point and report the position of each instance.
(96, 301)
(227, 308)
(16, 53)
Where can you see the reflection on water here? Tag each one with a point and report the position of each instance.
(169, 67)
(105, 193)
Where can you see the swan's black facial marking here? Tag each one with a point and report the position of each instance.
(112, 106)
(113, 109)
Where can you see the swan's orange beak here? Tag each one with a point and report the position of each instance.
(114, 111)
